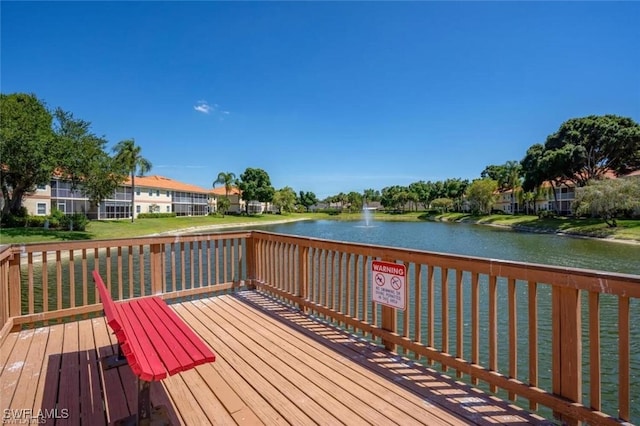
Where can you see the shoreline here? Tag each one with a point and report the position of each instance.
(521, 228)
(196, 229)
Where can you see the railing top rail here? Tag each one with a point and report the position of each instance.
(586, 279)
(134, 241)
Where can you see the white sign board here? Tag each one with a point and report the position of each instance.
(388, 284)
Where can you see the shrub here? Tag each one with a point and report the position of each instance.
(55, 218)
(155, 215)
(36, 221)
(13, 221)
(546, 214)
(74, 222)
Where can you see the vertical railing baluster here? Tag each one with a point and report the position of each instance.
(141, 262)
(431, 309)
(624, 373)
(120, 281)
(493, 327)
(533, 338)
(475, 323)
(30, 282)
(417, 311)
(459, 319)
(130, 271)
(85, 278)
(59, 279)
(192, 264)
(444, 313)
(72, 280)
(513, 332)
(200, 266)
(594, 351)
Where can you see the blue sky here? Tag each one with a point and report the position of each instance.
(326, 96)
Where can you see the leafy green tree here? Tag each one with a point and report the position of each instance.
(590, 146)
(307, 199)
(223, 204)
(481, 195)
(455, 190)
(130, 159)
(370, 195)
(528, 198)
(541, 165)
(82, 158)
(608, 198)
(26, 148)
(355, 201)
(285, 199)
(395, 197)
(508, 175)
(442, 204)
(228, 179)
(423, 192)
(255, 185)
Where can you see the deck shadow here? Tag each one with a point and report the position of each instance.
(78, 390)
(473, 405)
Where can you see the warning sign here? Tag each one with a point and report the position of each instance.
(388, 284)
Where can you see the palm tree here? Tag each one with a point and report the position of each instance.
(228, 179)
(129, 157)
(513, 180)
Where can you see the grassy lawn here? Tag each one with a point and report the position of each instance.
(107, 229)
(627, 229)
(99, 230)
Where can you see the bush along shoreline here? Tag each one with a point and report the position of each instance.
(628, 230)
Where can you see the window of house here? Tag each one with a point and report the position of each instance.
(168, 194)
(150, 192)
(42, 209)
(138, 190)
(137, 209)
(157, 192)
(42, 187)
(168, 209)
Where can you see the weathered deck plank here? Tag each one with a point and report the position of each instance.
(274, 366)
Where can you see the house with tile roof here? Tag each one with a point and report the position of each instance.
(237, 204)
(153, 194)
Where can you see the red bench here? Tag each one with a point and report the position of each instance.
(154, 341)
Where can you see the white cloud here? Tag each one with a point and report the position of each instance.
(203, 107)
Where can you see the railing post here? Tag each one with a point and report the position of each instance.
(155, 269)
(15, 298)
(251, 262)
(389, 323)
(567, 345)
(303, 274)
(389, 319)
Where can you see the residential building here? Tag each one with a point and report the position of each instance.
(237, 204)
(153, 194)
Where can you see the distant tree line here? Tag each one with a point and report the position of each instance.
(36, 143)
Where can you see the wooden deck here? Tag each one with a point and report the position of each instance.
(274, 366)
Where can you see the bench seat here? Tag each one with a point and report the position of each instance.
(154, 340)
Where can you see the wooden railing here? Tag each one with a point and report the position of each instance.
(517, 327)
(533, 332)
(50, 281)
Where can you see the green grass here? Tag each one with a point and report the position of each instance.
(99, 230)
(627, 229)
(110, 229)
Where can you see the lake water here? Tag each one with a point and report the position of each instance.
(477, 240)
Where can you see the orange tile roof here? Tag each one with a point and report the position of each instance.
(162, 182)
(221, 191)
